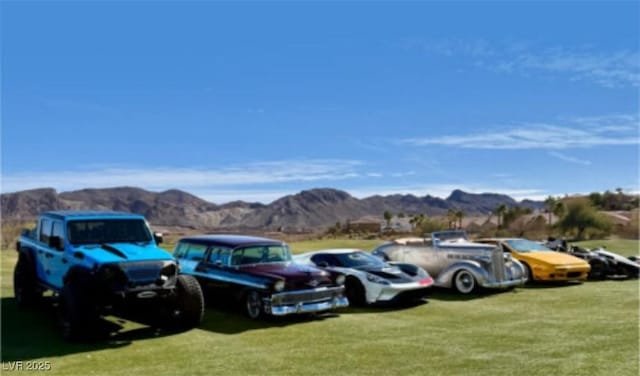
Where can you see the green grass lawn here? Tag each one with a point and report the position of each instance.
(577, 329)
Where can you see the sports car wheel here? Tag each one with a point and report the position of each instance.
(355, 292)
(253, 304)
(464, 282)
(527, 269)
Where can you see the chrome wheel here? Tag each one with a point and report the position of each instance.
(253, 304)
(464, 282)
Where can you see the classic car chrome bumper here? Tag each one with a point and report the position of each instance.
(305, 301)
(503, 284)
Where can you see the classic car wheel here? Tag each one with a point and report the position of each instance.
(355, 292)
(253, 304)
(464, 282)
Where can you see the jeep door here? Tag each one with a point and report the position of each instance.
(58, 259)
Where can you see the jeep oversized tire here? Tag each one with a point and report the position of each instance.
(78, 312)
(187, 309)
(25, 284)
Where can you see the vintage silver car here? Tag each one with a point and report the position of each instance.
(456, 262)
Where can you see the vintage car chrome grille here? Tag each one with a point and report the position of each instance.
(305, 296)
(497, 263)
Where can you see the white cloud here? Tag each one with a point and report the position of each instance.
(577, 133)
(274, 172)
(570, 159)
(605, 68)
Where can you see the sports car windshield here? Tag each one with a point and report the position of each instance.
(524, 246)
(358, 259)
(108, 231)
(260, 254)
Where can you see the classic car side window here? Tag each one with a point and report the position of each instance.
(195, 252)
(220, 255)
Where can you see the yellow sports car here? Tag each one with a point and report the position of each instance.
(541, 263)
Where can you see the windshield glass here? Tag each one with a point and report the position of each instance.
(358, 259)
(449, 235)
(522, 245)
(108, 231)
(260, 254)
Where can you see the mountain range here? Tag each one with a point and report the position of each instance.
(307, 210)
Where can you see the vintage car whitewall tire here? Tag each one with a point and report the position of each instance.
(464, 282)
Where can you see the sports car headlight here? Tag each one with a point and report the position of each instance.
(279, 285)
(340, 279)
(376, 279)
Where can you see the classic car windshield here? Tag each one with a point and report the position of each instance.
(356, 259)
(108, 231)
(260, 254)
(523, 245)
(449, 235)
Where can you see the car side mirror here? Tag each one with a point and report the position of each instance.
(158, 237)
(25, 232)
(323, 264)
(56, 242)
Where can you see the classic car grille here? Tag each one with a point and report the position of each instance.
(306, 296)
(497, 263)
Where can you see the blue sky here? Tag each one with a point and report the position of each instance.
(253, 101)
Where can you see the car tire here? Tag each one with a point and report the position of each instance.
(464, 282)
(527, 270)
(78, 313)
(25, 284)
(253, 304)
(355, 292)
(598, 270)
(188, 309)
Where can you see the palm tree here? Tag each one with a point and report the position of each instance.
(451, 218)
(387, 217)
(459, 216)
(550, 203)
(500, 210)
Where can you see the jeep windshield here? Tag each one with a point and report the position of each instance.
(524, 246)
(99, 231)
(260, 254)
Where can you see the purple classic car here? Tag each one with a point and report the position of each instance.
(259, 273)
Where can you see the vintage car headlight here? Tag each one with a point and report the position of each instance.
(376, 279)
(279, 285)
(340, 279)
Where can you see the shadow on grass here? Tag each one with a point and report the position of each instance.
(551, 284)
(450, 295)
(226, 317)
(33, 333)
(384, 307)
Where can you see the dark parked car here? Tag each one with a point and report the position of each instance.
(604, 264)
(260, 274)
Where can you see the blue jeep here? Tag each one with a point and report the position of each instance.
(97, 262)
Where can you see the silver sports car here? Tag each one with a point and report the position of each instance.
(369, 279)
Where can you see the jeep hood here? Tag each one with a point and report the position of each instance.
(123, 252)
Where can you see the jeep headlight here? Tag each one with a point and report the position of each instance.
(279, 285)
(111, 273)
(169, 270)
(376, 279)
(340, 279)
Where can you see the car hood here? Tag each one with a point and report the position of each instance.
(123, 252)
(389, 272)
(289, 271)
(552, 258)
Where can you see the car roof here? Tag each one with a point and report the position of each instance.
(89, 214)
(230, 240)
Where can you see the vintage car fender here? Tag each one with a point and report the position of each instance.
(445, 277)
